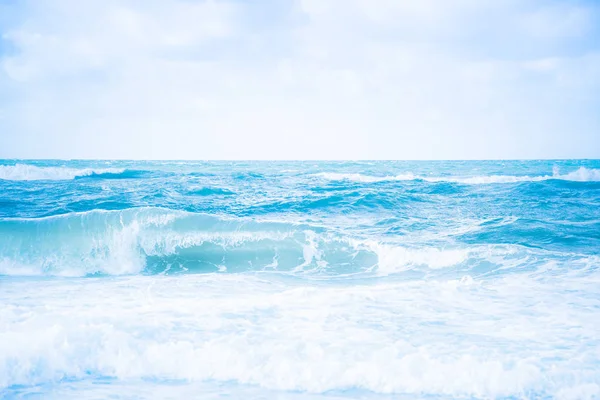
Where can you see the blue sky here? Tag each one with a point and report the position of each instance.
(299, 79)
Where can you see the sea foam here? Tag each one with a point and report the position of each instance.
(27, 172)
(580, 175)
(383, 338)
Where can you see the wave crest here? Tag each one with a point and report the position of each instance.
(26, 172)
(155, 241)
(580, 175)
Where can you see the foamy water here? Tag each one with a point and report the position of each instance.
(300, 280)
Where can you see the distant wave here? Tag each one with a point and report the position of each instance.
(580, 175)
(336, 176)
(115, 174)
(208, 191)
(26, 172)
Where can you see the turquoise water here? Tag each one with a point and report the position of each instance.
(300, 280)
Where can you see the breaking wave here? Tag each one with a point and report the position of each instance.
(157, 241)
(580, 175)
(26, 172)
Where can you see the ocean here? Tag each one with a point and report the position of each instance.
(300, 280)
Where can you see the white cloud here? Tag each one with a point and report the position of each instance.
(327, 79)
(559, 20)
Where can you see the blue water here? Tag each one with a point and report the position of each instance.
(300, 280)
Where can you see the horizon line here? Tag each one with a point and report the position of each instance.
(302, 160)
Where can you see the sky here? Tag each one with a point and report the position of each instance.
(299, 79)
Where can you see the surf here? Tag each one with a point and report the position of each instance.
(28, 172)
(582, 174)
(161, 241)
(299, 279)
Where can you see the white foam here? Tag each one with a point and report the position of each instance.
(394, 259)
(580, 175)
(515, 338)
(26, 172)
(311, 252)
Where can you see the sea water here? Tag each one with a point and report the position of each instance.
(299, 280)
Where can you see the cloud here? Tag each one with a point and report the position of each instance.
(560, 20)
(300, 79)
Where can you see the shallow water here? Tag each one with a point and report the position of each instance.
(300, 280)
